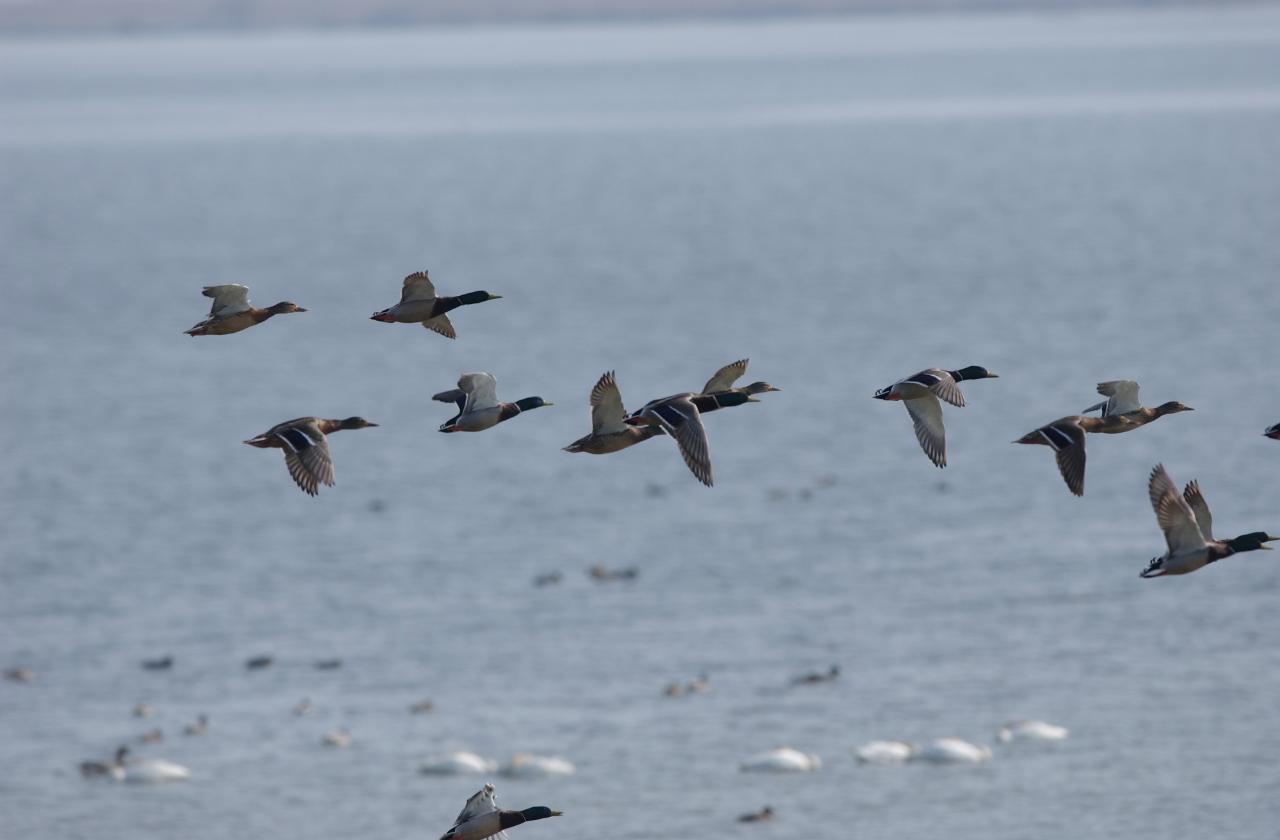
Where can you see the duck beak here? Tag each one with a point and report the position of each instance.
(299, 309)
(545, 403)
(991, 375)
(494, 297)
(373, 424)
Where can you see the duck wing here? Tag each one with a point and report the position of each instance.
(679, 417)
(1122, 397)
(607, 413)
(481, 390)
(480, 803)
(453, 395)
(306, 454)
(926, 415)
(1199, 507)
(940, 383)
(440, 324)
(1175, 516)
(724, 378)
(417, 286)
(1066, 438)
(228, 299)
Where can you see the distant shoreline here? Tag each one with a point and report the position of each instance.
(39, 18)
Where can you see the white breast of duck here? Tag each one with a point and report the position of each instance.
(884, 752)
(457, 763)
(152, 770)
(782, 760)
(953, 751)
(1030, 730)
(527, 766)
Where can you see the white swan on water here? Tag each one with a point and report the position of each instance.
(457, 763)
(1031, 730)
(527, 766)
(952, 751)
(885, 752)
(781, 760)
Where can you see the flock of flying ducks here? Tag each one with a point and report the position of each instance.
(1183, 517)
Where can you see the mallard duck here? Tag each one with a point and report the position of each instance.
(306, 447)
(259, 662)
(781, 760)
(1030, 730)
(420, 305)
(609, 430)
(232, 312)
(1066, 437)
(113, 768)
(482, 818)
(1122, 400)
(339, 738)
(164, 663)
(478, 406)
(814, 677)
(1188, 529)
(763, 815)
(20, 674)
(920, 393)
(678, 416)
(723, 379)
(151, 736)
(1272, 432)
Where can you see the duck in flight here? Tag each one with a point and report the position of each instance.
(679, 417)
(306, 447)
(231, 311)
(1272, 432)
(481, 817)
(920, 394)
(419, 304)
(722, 381)
(478, 406)
(1122, 400)
(1188, 529)
(1066, 438)
(610, 431)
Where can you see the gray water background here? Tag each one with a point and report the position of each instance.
(1061, 198)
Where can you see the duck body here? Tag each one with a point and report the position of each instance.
(920, 394)
(419, 304)
(458, 763)
(1031, 730)
(781, 760)
(952, 751)
(1188, 529)
(232, 312)
(306, 447)
(478, 406)
(1122, 401)
(679, 417)
(481, 817)
(1065, 437)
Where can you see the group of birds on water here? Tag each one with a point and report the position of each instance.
(1183, 517)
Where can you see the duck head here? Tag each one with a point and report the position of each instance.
(477, 297)
(355, 423)
(1252, 542)
(1171, 407)
(284, 307)
(760, 388)
(972, 372)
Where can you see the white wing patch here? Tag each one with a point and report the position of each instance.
(1122, 396)
(228, 299)
(481, 390)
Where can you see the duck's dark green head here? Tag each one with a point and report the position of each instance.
(532, 402)
(477, 297)
(972, 372)
(355, 423)
(1252, 542)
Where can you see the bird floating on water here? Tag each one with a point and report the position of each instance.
(1066, 438)
(920, 393)
(306, 447)
(1188, 529)
(456, 763)
(478, 406)
(136, 771)
(419, 304)
(200, 727)
(1030, 730)
(529, 766)
(231, 311)
(481, 817)
(952, 751)
(781, 760)
(885, 752)
(763, 815)
(1122, 400)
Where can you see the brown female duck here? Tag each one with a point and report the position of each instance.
(306, 448)
(231, 311)
(1122, 400)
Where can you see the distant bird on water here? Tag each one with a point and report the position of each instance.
(763, 815)
(478, 406)
(419, 304)
(482, 818)
(1122, 400)
(1066, 438)
(1273, 432)
(162, 664)
(306, 448)
(232, 312)
(920, 393)
(1188, 529)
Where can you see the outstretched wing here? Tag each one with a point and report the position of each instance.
(679, 417)
(1066, 438)
(1122, 396)
(1173, 513)
(481, 390)
(228, 299)
(1199, 507)
(926, 414)
(607, 414)
(417, 286)
(940, 383)
(441, 324)
(481, 802)
(306, 454)
(724, 378)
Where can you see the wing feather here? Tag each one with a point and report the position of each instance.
(679, 418)
(1174, 515)
(481, 390)
(926, 415)
(1122, 396)
(440, 324)
(607, 413)
(228, 299)
(1199, 507)
(417, 286)
(724, 378)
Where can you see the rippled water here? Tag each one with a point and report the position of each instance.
(1063, 199)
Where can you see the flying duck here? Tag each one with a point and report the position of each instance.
(306, 448)
(1066, 438)
(1273, 432)
(231, 311)
(478, 406)
(481, 817)
(723, 379)
(1188, 529)
(678, 416)
(920, 394)
(1122, 399)
(609, 430)
(419, 304)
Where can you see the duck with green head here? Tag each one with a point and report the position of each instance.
(478, 407)
(419, 304)
(920, 393)
(481, 817)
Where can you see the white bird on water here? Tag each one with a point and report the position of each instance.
(1030, 730)
(457, 763)
(885, 752)
(528, 766)
(781, 760)
(481, 817)
(953, 751)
